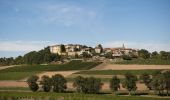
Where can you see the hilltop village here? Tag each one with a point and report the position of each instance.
(77, 50)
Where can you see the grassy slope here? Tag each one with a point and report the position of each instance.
(20, 72)
(145, 62)
(70, 96)
(116, 72)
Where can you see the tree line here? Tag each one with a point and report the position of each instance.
(158, 82)
(33, 57)
(145, 54)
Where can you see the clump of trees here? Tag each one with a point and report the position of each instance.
(33, 57)
(57, 82)
(87, 85)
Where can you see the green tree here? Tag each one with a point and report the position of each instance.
(46, 83)
(126, 57)
(164, 55)
(19, 60)
(79, 83)
(166, 80)
(32, 83)
(63, 49)
(146, 78)
(92, 85)
(59, 83)
(108, 55)
(115, 84)
(86, 55)
(130, 82)
(87, 85)
(144, 54)
(155, 55)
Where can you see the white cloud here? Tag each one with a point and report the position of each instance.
(23, 45)
(149, 45)
(66, 14)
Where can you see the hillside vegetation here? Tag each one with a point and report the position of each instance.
(20, 72)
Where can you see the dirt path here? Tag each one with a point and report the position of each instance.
(4, 67)
(130, 67)
(51, 73)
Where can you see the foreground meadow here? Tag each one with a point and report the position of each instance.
(68, 96)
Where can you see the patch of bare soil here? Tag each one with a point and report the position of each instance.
(4, 67)
(50, 74)
(130, 67)
(13, 84)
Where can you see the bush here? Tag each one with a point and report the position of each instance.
(130, 82)
(59, 83)
(46, 83)
(126, 57)
(114, 84)
(32, 83)
(87, 85)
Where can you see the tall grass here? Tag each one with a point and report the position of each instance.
(67, 96)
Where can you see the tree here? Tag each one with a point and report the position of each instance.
(164, 55)
(79, 83)
(19, 60)
(87, 85)
(126, 57)
(147, 80)
(108, 55)
(166, 76)
(158, 84)
(130, 82)
(143, 54)
(32, 83)
(59, 83)
(114, 84)
(46, 83)
(155, 55)
(92, 85)
(63, 49)
(86, 55)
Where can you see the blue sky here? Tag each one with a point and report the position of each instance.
(27, 25)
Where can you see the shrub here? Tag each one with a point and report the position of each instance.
(32, 83)
(59, 83)
(114, 84)
(46, 83)
(87, 85)
(130, 82)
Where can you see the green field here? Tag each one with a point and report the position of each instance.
(68, 96)
(145, 62)
(20, 72)
(116, 72)
(73, 65)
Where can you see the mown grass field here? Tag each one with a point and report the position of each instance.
(116, 72)
(20, 72)
(145, 62)
(68, 96)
